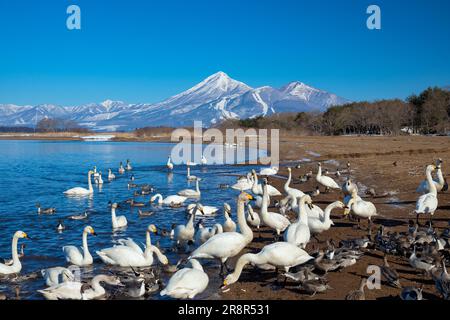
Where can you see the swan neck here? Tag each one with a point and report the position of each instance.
(15, 255)
(242, 222)
(431, 184)
(288, 182)
(243, 260)
(148, 240)
(85, 245)
(89, 182)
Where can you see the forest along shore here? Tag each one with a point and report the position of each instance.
(393, 167)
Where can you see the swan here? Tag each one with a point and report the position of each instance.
(183, 234)
(258, 190)
(278, 254)
(228, 244)
(229, 225)
(129, 254)
(244, 183)
(187, 282)
(428, 203)
(203, 234)
(80, 257)
(121, 168)
(291, 191)
(16, 266)
(169, 200)
(117, 221)
(169, 163)
(439, 184)
(253, 218)
(45, 210)
(298, 233)
(207, 210)
(111, 176)
(273, 220)
(128, 166)
(204, 161)
(188, 175)
(78, 191)
(191, 193)
(74, 290)
(52, 276)
(325, 181)
(268, 171)
(360, 208)
(318, 225)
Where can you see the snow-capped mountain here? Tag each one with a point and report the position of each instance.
(216, 98)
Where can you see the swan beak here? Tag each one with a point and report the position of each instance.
(26, 236)
(225, 282)
(154, 229)
(249, 196)
(346, 211)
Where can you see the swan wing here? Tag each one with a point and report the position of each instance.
(273, 192)
(73, 254)
(131, 244)
(426, 203)
(222, 245)
(123, 256)
(77, 190)
(328, 182)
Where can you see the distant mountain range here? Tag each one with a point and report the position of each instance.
(213, 100)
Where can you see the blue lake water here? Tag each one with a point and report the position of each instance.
(40, 171)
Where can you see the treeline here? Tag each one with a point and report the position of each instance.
(48, 125)
(427, 113)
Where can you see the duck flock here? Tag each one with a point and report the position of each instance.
(288, 253)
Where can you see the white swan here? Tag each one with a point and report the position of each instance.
(291, 191)
(190, 177)
(229, 225)
(228, 244)
(318, 225)
(191, 193)
(117, 221)
(78, 191)
(80, 257)
(52, 276)
(169, 200)
(121, 168)
(111, 176)
(298, 233)
(244, 183)
(169, 163)
(360, 208)
(203, 234)
(278, 254)
(325, 181)
(185, 233)
(273, 220)
(99, 179)
(207, 210)
(129, 254)
(16, 266)
(253, 218)
(258, 190)
(187, 282)
(268, 171)
(439, 183)
(428, 203)
(73, 290)
(128, 166)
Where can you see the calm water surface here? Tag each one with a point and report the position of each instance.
(40, 171)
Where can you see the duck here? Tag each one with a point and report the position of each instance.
(143, 214)
(360, 208)
(190, 177)
(74, 290)
(226, 245)
(269, 171)
(439, 184)
(279, 255)
(427, 203)
(298, 233)
(418, 263)
(389, 274)
(128, 166)
(314, 286)
(442, 281)
(207, 210)
(273, 220)
(60, 227)
(169, 164)
(79, 217)
(117, 221)
(326, 181)
(111, 175)
(129, 254)
(412, 293)
(121, 168)
(189, 193)
(358, 294)
(45, 210)
(203, 234)
(257, 189)
(52, 276)
(16, 266)
(78, 191)
(291, 191)
(314, 193)
(187, 282)
(134, 203)
(183, 234)
(169, 200)
(79, 257)
(229, 225)
(321, 224)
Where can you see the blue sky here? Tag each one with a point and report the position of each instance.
(145, 51)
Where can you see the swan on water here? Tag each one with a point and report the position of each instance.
(243, 183)
(78, 191)
(169, 200)
(130, 254)
(111, 175)
(117, 221)
(428, 203)
(258, 190)
(121, 168)
(279, 255)
(325, 181)
(80, 257)
(206, 210)
(16, 266)
(228, 244)
(191, 193)
(190, 177)
(187, 282)
(183, 234)
(128, 166)
(57, 275)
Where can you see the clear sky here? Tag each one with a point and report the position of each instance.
(146, 51)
